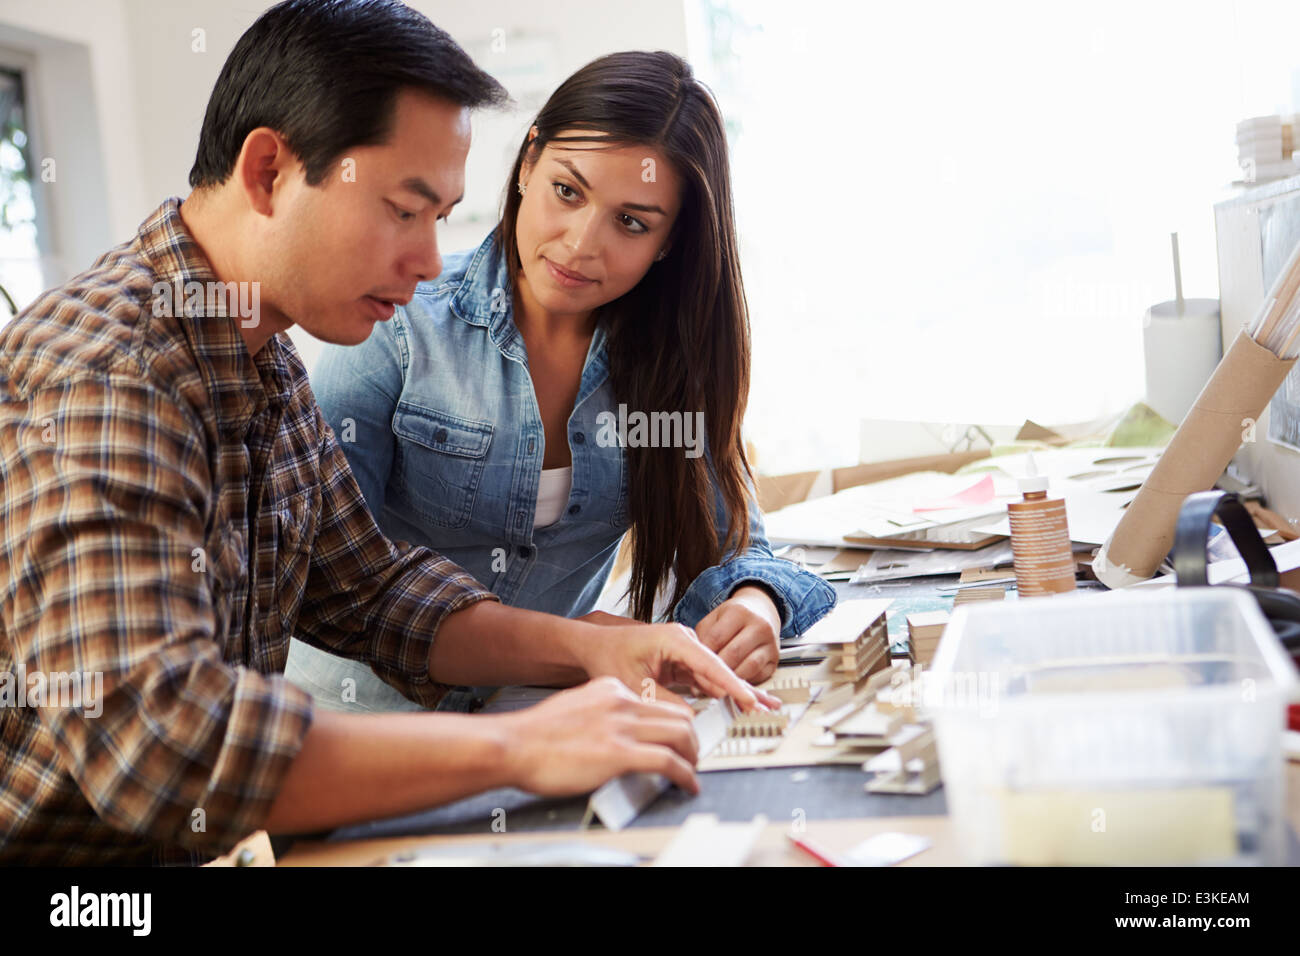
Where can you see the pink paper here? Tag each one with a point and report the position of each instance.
(980, 493)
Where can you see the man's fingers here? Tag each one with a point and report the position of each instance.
(685, 675)
(711, 674)
(649, 758)
(661, 694)
(677, 734)
(667, 707)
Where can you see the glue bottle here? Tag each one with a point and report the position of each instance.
(1040, 539)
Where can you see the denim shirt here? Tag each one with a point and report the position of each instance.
(438, 418)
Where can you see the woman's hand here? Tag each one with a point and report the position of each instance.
(745, 631)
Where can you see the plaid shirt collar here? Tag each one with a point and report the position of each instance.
(242, 386)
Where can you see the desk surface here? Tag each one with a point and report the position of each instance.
(773, 849)
(831, 799)
(736, 795)
(781, 794)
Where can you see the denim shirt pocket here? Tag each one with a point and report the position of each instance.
(606, 471)
(440, 460)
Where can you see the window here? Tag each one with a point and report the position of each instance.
(20, 267)
(959, 211)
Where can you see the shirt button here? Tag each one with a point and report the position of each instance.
(524, 550)
(579, 438)
(574, 509)
(440, 435)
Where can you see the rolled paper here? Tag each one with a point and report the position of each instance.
(1220, 420)
(1279, 301)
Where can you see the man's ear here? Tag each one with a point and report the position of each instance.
(262, 167)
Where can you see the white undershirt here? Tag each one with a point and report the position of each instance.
(552, 495)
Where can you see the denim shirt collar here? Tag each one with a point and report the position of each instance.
(485, 298)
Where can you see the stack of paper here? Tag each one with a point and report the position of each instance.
(1264, 149)
(891, 564)
(1096, 483)
(925, 511)
(910, 511)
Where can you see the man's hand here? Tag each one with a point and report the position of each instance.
(576, 740)
(489, 643)
(745, 631)
(650, 658)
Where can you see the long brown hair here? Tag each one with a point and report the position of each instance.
(679, 340)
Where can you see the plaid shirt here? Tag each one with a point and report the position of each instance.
(172, 510)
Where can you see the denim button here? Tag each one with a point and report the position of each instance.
(440, 435)
(574, 509)
(579, 438)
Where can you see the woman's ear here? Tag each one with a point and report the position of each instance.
(529, 161)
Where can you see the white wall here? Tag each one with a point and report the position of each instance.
(536, 46)
(150, 86)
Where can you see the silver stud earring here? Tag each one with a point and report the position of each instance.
(663, 254)
(521, 189)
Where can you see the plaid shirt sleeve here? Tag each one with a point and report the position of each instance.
(370, 599)
(107, 490)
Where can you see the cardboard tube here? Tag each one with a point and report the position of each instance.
(1205, 442)
(1279, 299)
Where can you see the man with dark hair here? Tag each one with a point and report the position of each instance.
(325, 75)
(174, 508)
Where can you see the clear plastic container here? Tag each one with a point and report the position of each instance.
(1124, 728)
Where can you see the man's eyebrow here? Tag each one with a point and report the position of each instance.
(640, 207)
(417, 185)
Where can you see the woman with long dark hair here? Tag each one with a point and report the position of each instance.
(581, 374)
